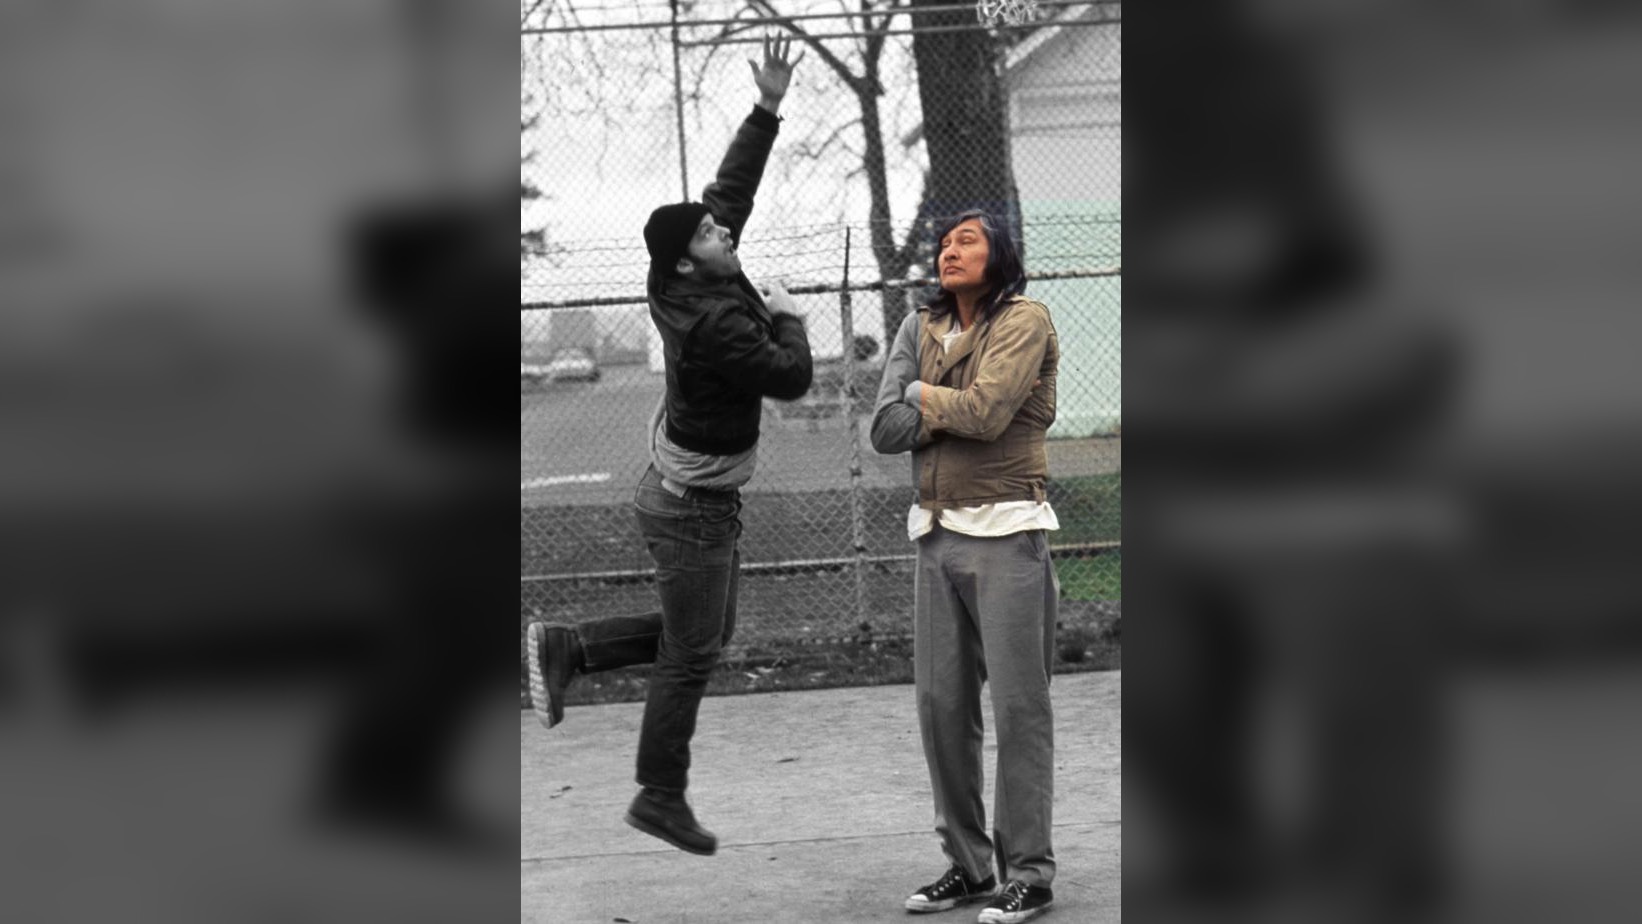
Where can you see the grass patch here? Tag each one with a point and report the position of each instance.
(777, 647)
(1088, 507)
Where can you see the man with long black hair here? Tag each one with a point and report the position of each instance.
(969, 387)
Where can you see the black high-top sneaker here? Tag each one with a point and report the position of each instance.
(1017, 902)
(554, 656)
(950, 891)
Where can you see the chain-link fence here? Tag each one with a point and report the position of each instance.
(825, 552)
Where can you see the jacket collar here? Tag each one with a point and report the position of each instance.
(966, 342)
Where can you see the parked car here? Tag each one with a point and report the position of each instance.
(571, 365)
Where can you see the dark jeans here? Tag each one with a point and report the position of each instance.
(693, 542)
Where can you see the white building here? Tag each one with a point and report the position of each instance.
(1066, 134)
(1066, 131)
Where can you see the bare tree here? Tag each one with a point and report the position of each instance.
(966, 116)
(964, 108)
(872, 19)
(574, 82)
(965, 126)
(532, 242)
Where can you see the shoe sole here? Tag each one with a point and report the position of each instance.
(660, 833)
(947, 905)
(540, 702)
(1016, 918)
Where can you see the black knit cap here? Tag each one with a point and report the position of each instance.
(667, 234)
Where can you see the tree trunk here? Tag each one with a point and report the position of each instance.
(892, 262)
(966, 120)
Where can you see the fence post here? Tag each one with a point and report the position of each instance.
(678, 108)
(857, 526)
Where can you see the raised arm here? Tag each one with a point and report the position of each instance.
(730, 195)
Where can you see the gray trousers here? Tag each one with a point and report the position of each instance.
(984, 612)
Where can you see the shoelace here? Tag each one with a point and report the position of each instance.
(1013, 894)
(947, 884)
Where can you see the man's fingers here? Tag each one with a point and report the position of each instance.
(754, 67)
(794, 62)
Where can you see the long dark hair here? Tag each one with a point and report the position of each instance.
(1004, 274)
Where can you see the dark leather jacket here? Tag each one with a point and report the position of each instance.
(723, 349)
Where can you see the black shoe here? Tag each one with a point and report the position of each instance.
(553, 662)
(950, 891)
(668, 817)
(1016, 903)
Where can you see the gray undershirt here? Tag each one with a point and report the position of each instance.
(681, 468)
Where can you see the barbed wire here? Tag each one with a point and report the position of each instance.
(635, 242)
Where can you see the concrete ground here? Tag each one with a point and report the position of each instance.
(820, 801)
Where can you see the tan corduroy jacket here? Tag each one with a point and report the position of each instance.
(984, 418)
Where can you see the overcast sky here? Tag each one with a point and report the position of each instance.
(605, 151)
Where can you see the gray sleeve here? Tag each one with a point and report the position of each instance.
(895, 424)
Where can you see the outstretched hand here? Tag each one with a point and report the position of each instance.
(776, 74)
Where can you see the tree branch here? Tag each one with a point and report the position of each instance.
(909, 247)
(886, 12)
(815, 152)
(849, 77)
(524, 18)
(874, 47)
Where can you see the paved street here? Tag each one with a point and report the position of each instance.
(820, 800)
